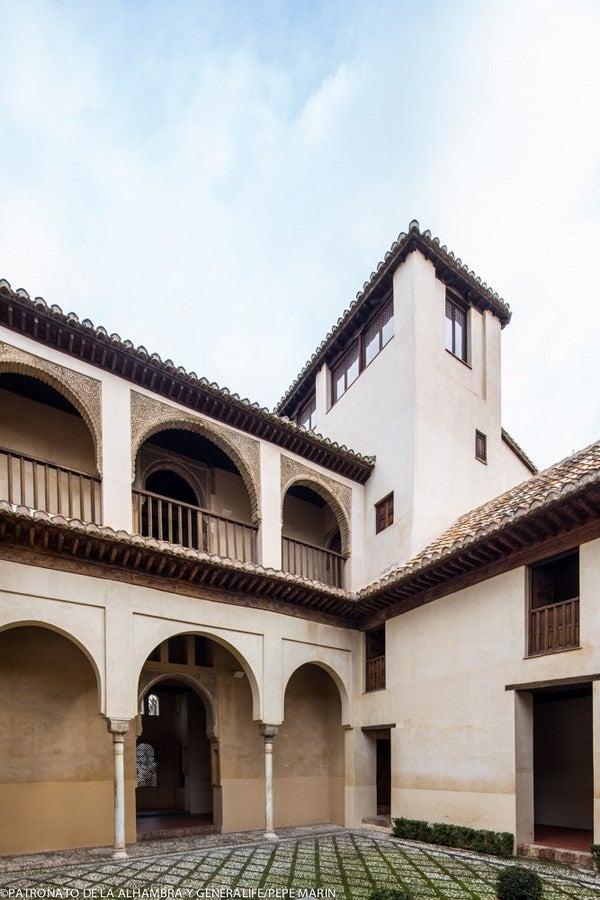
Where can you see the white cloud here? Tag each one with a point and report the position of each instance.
(222, 202)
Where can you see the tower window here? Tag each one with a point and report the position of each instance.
(456, 329)
(307, 417)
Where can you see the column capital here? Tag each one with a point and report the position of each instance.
(268, 731)
(117, 726)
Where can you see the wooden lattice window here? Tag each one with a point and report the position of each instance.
(307, 417)
(384, 513)
(378, 332)
(363, 350)
(346, 372)
(456, 329)
(146, 766)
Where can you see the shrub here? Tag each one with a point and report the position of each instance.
(498, 843)
(596, 855)
(391, 894)
(517, 883)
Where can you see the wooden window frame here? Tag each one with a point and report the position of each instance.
(310, 404)
(457, 307)
(384, 513)
(552, 627)
(480, 446)
(375, 660)
(381, 318)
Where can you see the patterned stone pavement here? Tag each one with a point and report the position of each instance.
(334, 864)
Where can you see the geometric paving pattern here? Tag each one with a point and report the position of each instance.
(345, 864)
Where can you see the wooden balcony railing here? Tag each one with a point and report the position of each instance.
(191, 526)
(311, 562)
(38, 484)
(375, 674)
(554, 627)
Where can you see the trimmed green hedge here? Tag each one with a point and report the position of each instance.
(518, 883)
(391, 894)
(497, 843)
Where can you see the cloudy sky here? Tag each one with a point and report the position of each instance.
(216, 180)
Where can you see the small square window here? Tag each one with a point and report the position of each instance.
(480, 446)
(456, 330)
(384, 513)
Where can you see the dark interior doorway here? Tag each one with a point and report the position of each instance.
(563, 767)
(384, 776)
(173, 756)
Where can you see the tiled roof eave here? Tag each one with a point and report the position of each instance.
(449, 268)
(55, 536)
(81, 339)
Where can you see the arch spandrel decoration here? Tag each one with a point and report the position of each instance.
(149, 416)
(83, 392)
(337, 495)
(199, 683)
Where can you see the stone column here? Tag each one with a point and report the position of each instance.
(268, 732)
(119, 728)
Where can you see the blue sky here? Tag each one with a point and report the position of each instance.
(217, 180)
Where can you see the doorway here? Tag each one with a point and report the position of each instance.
(384, 776)
(173, 760)
(563, 768)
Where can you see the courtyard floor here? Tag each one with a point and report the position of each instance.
(327, 862)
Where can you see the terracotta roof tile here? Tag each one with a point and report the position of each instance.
(542, 490)
(390, 261)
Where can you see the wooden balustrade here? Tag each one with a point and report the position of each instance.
(312, 562)
(191, 526)
(375, 674)
(554, 627)
(38, 484)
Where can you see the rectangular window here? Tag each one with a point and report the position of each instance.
(369, 343)
(375, 659)
(307, 417)
(480, 446)
(554, 604)
(456, 329)
(378, 332)
(346, 372)
(384, 513)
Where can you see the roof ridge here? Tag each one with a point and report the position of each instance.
(459, 535)
(494, 299)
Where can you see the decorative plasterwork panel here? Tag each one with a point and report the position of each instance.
(338, 496)
(83, 392)
(203, 685)
(149, 416)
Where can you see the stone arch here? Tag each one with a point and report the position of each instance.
(179, 468)
(80, 390)
(207, 633)
(49, 626)
(318, 484)
(333, 674)
(149, 417)
(208, 701)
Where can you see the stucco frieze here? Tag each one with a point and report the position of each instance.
(148, 416)
(83, 392)
(338, 495)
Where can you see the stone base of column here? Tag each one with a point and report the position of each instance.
(119, 854)
(270, 836)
